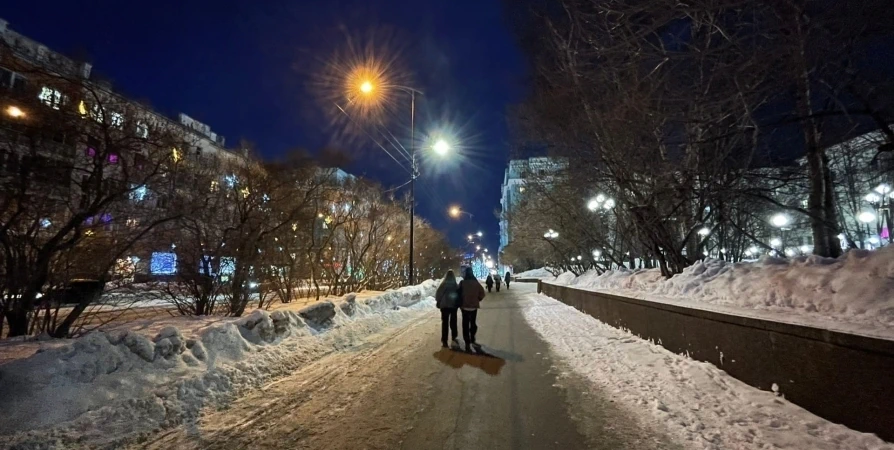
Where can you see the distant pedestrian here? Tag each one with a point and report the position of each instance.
(507, 278)
(489, 282)
(497, 282)
(447, 300)
(471, 294)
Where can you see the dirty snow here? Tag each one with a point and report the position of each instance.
(854, 293)
(113, 386)
(699, 405)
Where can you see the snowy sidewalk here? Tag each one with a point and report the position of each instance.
(698, 404)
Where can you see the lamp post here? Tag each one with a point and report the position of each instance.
(781, 221)
(368, 88)
(456, 211)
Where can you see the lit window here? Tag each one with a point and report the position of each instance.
(142, 130)
(163, 263)
(50, 97)
(96, 113)
(117, 119)
(132, 223)
(138, 193)
(227, 265)
(175, 155)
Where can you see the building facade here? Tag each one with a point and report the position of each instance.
(519, 173)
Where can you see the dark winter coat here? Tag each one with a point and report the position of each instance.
(471, 293)
(447, 295)
(489, 281)
(507, 278)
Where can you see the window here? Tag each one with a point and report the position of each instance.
(50, 97)
(117, 119)
(18, 83)
(138, 193)
(142, 130)
(163, 263)
(97, 113)
(5, 78)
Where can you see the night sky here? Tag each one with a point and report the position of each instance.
(247, 71)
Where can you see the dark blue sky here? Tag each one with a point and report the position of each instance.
(244, 69)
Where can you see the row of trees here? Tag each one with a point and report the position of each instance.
(95, 186)
(666, 107)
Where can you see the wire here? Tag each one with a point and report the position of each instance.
(372, 138)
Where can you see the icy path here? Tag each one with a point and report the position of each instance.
(698, 404)
(400, 390)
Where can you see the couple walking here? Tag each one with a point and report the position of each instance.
(465, 295)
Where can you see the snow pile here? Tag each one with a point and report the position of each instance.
(109, 387)
(698, 404)
(542, 272)
(854, 292)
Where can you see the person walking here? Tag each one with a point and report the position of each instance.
(471, 293)
(507, 278)
(489, 282)
(448, 301)
(497, 282)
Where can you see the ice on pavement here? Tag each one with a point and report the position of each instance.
(699, 405)
(106, 386)
(853, 293)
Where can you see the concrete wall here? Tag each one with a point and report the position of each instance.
(844, 378)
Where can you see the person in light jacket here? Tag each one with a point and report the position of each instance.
(448, 301)
(471, 293)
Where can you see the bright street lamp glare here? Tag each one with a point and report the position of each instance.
(15, 112)
(593, 205)
(779, 220)
(480, 234)
(366, 87)
(866, 217)
(441, 147)
(454, 212)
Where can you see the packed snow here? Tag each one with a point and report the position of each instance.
(699, 405)
(541, 273)
(854, 293)
(113, 386)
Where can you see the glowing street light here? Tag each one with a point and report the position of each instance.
(866, 217)
(779, 220)
(883, 189)
(477, 247)
(597, 253)
(551, 234)
(455, 212)
(593, 205)
(775, 242)
(366, 87)
(15, 112)
(441, 147)
(479, 234)
(704, 231)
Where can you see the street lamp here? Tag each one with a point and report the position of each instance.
(367, 87)
(779, 220)
(866, 216)
(551, 234)
(455, 212)
(441, 147)
(704, 231)
(479, 234)
(600, 201)
(15, 112)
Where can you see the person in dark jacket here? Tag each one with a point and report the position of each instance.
(489, 282)
(507, 278)
(497, 282)
(448, 301)
(471, 293)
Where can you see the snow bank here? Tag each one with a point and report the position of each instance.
(854, 293)
(698, 404)
(109, 387)
(542, 272)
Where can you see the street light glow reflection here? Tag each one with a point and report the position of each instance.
(779, 220)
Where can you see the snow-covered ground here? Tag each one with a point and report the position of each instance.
(115, 385)
(854, 293)
(542, 272)
(698, 404)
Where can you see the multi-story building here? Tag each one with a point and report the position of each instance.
(519, 173)
(49, 82)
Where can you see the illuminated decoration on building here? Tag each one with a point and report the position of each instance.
(126, 267)
(45, 223)
(82, 108)
(175, 155)
(163, 263)
(230, 180)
